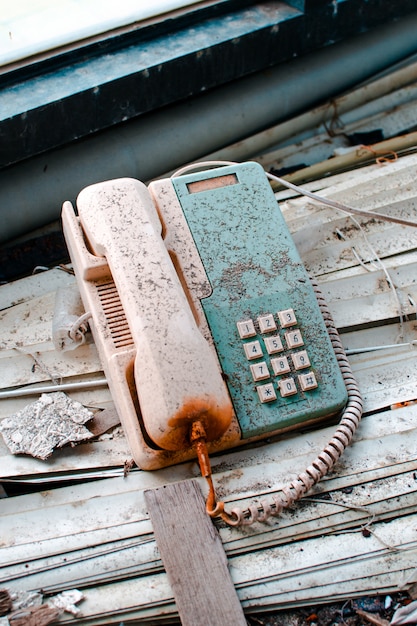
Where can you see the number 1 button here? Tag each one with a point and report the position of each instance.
(246, 329)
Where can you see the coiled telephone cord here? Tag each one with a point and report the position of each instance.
(322, 464)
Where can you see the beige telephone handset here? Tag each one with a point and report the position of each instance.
(205, 320)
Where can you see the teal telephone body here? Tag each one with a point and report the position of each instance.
(201, 310)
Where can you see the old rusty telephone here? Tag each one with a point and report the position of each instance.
(207, 324)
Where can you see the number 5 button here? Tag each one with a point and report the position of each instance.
(273, 344)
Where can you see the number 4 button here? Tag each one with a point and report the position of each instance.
(253, 350)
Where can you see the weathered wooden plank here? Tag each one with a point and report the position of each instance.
(193, 556)
(33, 364)
(340, 255)
(27, 354)
(368, 298)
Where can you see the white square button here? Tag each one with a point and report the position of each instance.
(287, 387)
(267, 323)
(273, 344)
(253, 350)
(280, 365)
(266, 393)
(307, 381)
(294, 339)
(246, 329)
(259, 371)
(287, 318)
(300, 359)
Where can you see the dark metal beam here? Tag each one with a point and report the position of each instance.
(76, 94)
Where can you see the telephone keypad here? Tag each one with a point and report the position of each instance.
(285, 366)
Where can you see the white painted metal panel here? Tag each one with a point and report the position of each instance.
(99, 532)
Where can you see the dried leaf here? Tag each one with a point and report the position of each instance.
(5, 602)
(372, 618)
(34, 616)
(405, 615)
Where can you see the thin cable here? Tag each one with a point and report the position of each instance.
(302, 191)
(323, 463)
(388, 278)
(338, 205)
(35, 390)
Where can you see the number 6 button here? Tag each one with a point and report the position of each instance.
(294, 339)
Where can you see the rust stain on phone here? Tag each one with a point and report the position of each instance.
(215, 419)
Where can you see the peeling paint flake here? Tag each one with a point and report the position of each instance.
(51, 422)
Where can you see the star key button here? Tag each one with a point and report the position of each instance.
(266, 393)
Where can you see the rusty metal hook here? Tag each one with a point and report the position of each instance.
(214, 508)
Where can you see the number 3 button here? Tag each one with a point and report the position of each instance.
(287, 318)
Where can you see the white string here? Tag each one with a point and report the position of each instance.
(301, 190)
(338, 205)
